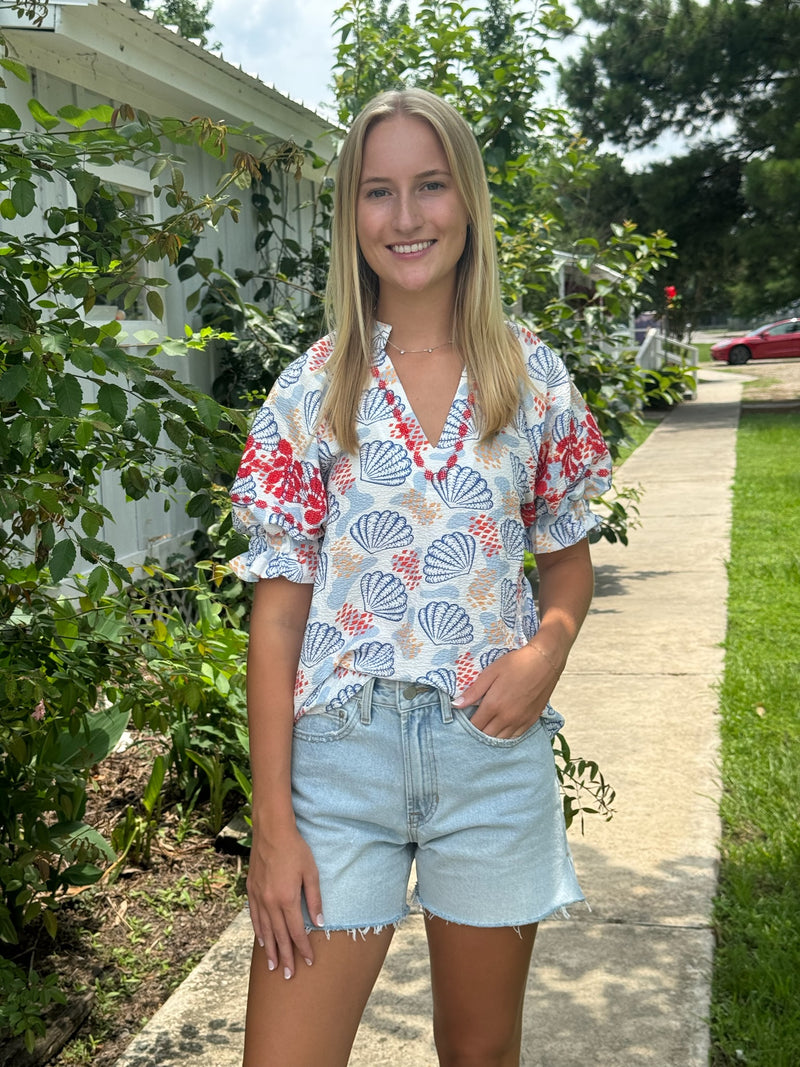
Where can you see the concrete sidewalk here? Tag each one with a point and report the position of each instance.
(627, 983)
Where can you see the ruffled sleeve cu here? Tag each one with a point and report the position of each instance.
(572, 462)
(279, 497)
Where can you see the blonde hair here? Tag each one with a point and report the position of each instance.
(493, 356)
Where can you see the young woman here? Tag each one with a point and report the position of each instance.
(398, 674)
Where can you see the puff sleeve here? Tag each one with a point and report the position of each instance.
(279, 497)
(569, 458)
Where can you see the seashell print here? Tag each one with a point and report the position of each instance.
(381, 529)
(546, 365)
(455, 419)
(449, 557)
(309, 470)
(310, 699)
(521, 480)
(282, 566)
(321, 577)
(244, 492)
(333, 508)
(513, 537)
(265, 428)
(529, 622)
(490, 656)
(374, 657)
(380, 336)
(384, 595)
(464, 488)
(443, 678)
(258, 546)
(325, 459)
(508, 602)
(445, 623)
(567, 530)
(292, 373)
(320, 641)
(384, 463)
(373, 407)
(311, 405)
(563, 426)
(535, 437)
(342, 697)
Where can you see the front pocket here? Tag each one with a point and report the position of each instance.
(328, 725)
(463, 718)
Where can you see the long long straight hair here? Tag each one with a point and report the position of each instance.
(493, 356)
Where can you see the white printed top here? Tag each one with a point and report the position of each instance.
(416, 551)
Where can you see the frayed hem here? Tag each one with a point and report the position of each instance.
(356, 931)
(559, 913)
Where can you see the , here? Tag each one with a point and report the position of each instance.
(773, 341)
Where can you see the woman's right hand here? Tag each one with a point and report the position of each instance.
(281, 867)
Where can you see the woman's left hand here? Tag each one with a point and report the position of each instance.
(511, 693)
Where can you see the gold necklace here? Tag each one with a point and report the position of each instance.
(416, 351)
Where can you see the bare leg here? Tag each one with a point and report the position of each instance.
(312, 1018)
(478, 976)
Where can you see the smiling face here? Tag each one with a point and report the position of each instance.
(411, 221)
